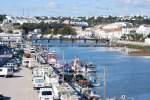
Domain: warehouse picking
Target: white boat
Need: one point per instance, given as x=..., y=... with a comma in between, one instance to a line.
x=89, y=70
x=41, y=59
x=51, y=58
x=96, y=84
x=78, y=66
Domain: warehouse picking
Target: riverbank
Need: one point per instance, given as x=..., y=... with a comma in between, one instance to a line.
x=134, y=52
x=134, y=48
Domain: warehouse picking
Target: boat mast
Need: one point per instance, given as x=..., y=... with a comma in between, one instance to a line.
x=63, y=65
x=105, y=83
x=99, y=88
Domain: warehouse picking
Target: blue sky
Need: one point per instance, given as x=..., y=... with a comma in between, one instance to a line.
x=75, y=7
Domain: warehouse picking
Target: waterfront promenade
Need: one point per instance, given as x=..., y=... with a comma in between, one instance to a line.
x=19, y=87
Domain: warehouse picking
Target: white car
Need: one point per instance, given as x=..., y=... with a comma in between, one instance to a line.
x=46, y=94
x=32, y=50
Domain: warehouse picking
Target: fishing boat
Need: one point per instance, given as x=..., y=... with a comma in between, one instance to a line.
x=51, y=58
x=79, y=66
x=91, y=95
x=96, y=84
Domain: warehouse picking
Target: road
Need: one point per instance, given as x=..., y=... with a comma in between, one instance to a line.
x=18, y=87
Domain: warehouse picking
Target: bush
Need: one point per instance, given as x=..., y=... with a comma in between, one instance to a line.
x=52, y=28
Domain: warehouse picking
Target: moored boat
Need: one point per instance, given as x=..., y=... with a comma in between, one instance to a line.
x=51, y=58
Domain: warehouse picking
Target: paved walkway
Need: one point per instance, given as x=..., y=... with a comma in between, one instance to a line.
x=18, y=87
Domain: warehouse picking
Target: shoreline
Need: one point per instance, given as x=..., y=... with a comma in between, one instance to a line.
x=139, y=53
x=130, y=51
x=135, y=49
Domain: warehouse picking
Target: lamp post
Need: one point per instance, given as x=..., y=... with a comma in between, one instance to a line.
x=63, y=65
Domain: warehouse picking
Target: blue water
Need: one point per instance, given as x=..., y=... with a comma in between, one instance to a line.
x=128, y=75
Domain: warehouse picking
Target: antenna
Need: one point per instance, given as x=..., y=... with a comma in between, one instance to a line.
x=23, y=12
x=28, y=13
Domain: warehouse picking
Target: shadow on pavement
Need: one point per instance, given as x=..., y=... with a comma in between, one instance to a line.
x=17, y=76
x=6, y=98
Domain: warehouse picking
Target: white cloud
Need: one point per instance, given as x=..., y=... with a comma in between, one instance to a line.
x=129, y=1
x=90, y=7
x=134, y=1
x=52, y=5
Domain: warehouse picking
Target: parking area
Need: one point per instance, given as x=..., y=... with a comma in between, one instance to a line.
x=18, y=87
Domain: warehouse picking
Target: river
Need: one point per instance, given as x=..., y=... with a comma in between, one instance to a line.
x=127, y=75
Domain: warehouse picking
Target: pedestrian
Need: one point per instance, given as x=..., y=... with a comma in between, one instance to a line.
x=59, y=95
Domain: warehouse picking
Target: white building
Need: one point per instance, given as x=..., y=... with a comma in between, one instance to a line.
x=34, y=34
x=123, y=27
x=76, y=23
x=114, y=30
x=38, y=31
x=144, y=29
x=88, y=33
x=147, y=40
x=18, y=31
x=11, y=37
x=21, y=20
x=110, y=31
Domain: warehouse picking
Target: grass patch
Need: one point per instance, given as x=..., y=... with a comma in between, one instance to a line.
x=138, y=47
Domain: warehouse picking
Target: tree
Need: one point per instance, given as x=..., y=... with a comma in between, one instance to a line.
x=46, y=28
x=67, y=31
x=50, y=31
x=2, y=17
x=135, y=37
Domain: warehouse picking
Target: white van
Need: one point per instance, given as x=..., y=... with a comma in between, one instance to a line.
x=6, y=71
x=46, y=94
x=29, y=62
x=38, y=82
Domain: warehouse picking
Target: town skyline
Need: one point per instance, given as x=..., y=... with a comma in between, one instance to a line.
x=74, y=7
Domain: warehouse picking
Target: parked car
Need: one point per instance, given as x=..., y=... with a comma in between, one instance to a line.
x=6, y=71
x=46, y=93
x=32, y=50
x=12, y=65
x=29, y=62
x=1, y=96
x=16, y=61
